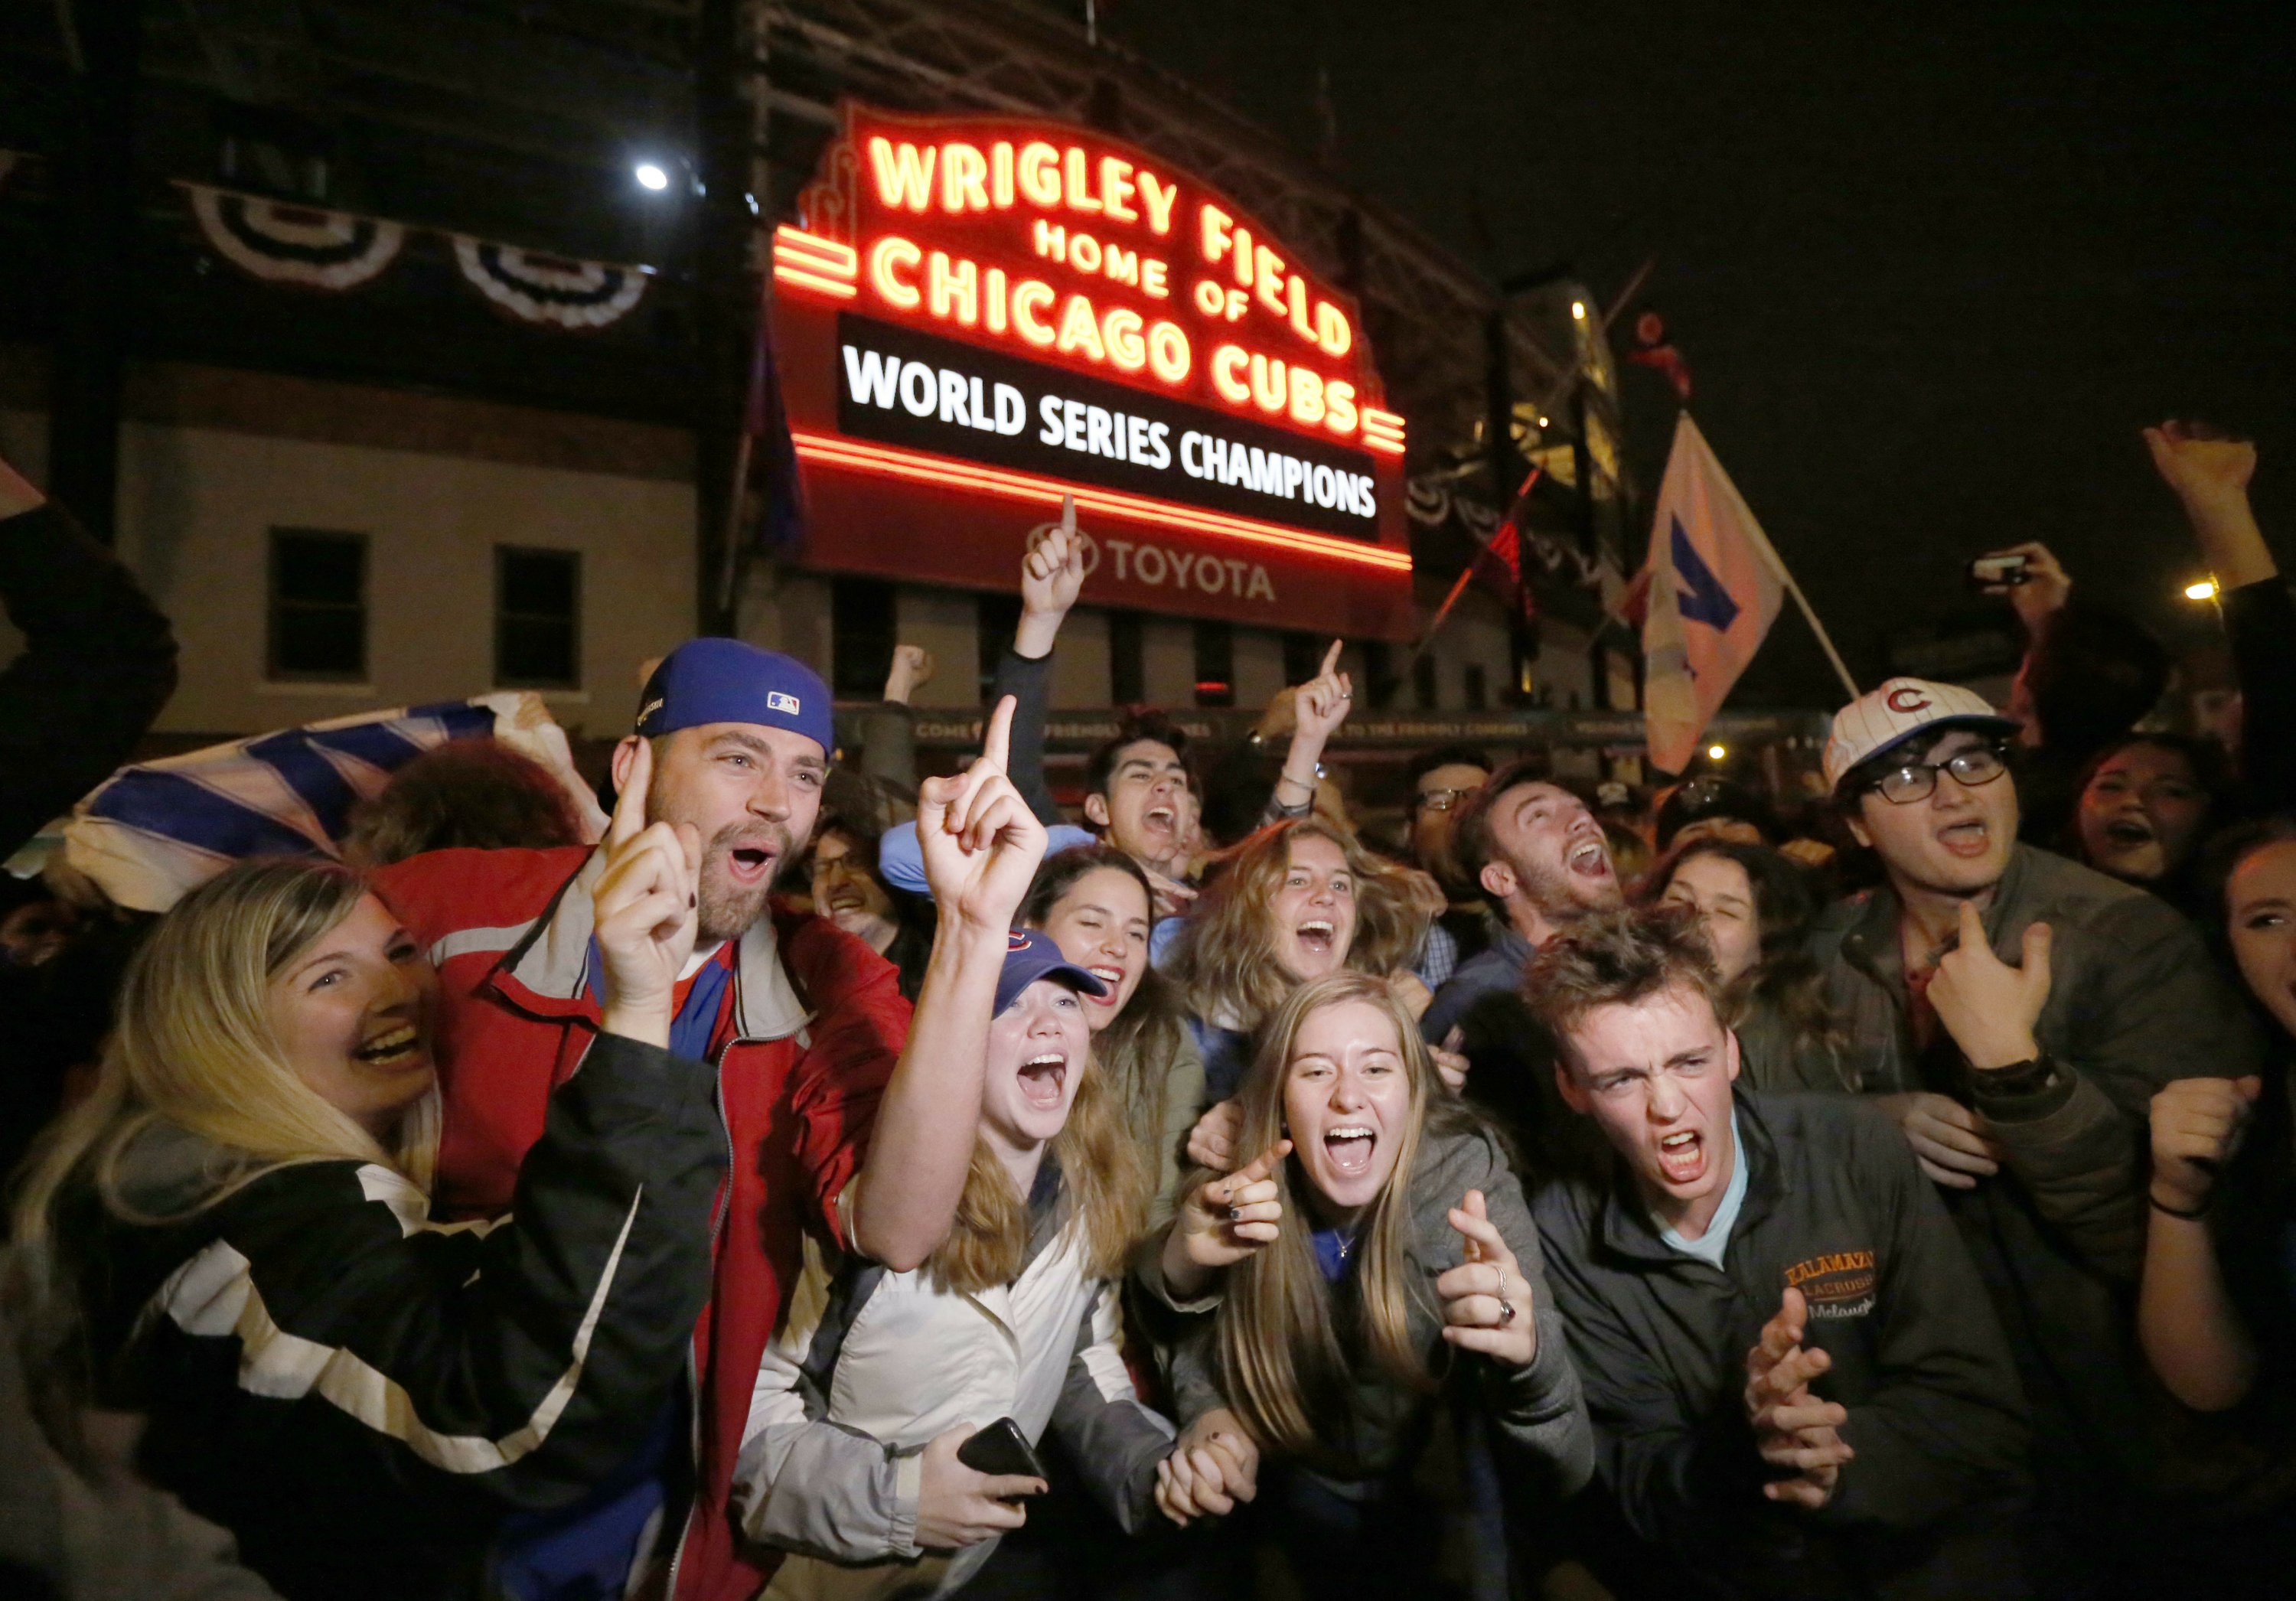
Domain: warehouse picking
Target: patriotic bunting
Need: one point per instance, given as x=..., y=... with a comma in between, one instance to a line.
x=535, y=288
x=281, y=243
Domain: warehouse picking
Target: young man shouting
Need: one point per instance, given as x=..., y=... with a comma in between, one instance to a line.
x=1542, y=862
x=2015, y=1013
x=1796, y=1384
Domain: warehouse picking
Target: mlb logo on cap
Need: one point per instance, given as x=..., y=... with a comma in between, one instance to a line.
x=718, y=680
x=1899, y=709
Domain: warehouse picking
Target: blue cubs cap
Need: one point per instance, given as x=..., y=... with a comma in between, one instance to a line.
x=1029, y=955
x=715, y=680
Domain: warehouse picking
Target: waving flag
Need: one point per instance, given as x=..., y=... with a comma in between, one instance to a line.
x=154, y=831
x=1714, y=587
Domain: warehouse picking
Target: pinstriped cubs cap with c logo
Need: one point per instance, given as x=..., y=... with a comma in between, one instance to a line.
x=1895, y=712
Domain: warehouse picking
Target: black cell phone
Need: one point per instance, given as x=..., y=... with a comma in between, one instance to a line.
x=1986, y=571
x=1002, y=1449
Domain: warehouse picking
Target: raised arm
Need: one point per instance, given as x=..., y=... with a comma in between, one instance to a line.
x=981, y=846
x=99, y=662
x=1318, y=707
x=889, y=735
x=2210, y=478
x=1052, y=576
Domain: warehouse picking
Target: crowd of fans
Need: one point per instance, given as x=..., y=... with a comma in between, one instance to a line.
x=832, y=1182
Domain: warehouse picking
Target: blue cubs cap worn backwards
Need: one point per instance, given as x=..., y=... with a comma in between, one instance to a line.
x=1031, y=955
x=715, y=680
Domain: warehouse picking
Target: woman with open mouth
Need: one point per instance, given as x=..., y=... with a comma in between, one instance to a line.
x=1375, y=1260
x=2146, y=803
x=1296, y=901
x=1098, y=906
x=232, y=1234
x=884, y=1389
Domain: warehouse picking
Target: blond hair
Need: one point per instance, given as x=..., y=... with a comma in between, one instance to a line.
x=1105, y=1186
x=193, y=1047
x=1226, y=962
x=1282, y=1364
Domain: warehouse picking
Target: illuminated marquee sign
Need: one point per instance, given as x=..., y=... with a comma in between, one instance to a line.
x=976, y=315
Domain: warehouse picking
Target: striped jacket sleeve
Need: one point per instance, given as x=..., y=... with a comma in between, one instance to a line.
x=381, y=1354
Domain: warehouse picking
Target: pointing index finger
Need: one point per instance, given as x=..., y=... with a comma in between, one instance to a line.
x=1261, y=1165
x=997, y=743
x=1332, y=658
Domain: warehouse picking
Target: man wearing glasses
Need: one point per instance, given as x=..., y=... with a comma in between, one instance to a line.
x=2015, y=1011
x=1440, y=781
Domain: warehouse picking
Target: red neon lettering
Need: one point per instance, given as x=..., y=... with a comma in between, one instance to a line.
x=1079, y=331
x=1268, y=388
x=1116, y=190
x=903, y=173
x=1040, y=173
x=962, y=168
x=1226, y=361
x=1158, y=196
x=1030, y=299
x=953, y=290
x=1120, y=331
x=887, y=254
x=1215, y=240
x=1079, y=194
x=1168, y=353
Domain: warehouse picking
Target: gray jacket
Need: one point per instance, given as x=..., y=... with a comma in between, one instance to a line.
x=2134, y=1004
x=1539, y=1406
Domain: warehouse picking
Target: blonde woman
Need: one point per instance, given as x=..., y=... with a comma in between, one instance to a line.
x=231, y=1235
x=850, y=1458
x=1297, y=901
x=1375, y=1258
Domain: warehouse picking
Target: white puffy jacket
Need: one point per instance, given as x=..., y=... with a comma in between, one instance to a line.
x=873, y=1366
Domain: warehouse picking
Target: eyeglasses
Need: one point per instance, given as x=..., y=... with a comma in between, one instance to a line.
x=1918, y=780
x=1441, y=800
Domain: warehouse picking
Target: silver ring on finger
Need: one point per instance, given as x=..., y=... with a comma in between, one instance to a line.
x=1506, y=1313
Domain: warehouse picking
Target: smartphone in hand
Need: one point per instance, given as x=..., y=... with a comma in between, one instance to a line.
x=1002, y=1449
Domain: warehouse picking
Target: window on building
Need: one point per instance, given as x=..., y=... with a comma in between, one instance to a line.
x=1215, y=664
x=1472, y=688
x=1127, y=660
x=861, y=627
x=999, y=616
x=537, y=619
x=1422, y=683
x=317, y=629
x=1303, y=657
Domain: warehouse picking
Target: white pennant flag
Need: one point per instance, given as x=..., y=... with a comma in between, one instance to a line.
x=1715, y=586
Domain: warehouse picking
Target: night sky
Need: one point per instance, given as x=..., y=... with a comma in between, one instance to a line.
x=1932, y=268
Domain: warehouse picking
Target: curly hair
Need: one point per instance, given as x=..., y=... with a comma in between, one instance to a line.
x=1226, y=962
